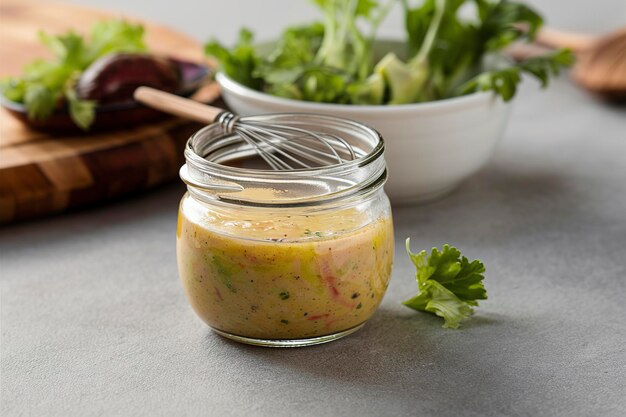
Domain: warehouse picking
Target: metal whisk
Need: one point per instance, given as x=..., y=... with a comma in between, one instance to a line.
x=282, y=147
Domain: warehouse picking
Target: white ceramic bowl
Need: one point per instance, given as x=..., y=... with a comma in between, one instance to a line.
x=430, y=147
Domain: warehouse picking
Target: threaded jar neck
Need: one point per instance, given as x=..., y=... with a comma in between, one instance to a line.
x=220, y=159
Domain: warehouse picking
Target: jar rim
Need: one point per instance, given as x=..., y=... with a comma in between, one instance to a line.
x=346, y=178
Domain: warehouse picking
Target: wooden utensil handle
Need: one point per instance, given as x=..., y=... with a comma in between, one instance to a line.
x=176, y=105
x=553, y=38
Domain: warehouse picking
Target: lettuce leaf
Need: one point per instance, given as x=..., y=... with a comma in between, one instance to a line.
x=240, y=62
x=45, y=84
x=504, y=81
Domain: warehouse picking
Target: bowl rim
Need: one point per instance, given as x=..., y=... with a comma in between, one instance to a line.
x=469, y=100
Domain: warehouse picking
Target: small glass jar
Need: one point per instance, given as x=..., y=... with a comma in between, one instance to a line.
x=284, y=258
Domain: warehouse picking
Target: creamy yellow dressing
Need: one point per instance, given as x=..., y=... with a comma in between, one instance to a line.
x=269, y=275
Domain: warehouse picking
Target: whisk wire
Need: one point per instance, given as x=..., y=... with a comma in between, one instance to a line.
x=305, y=152
x=272, y=141
x=288, y=147
x=329, y=140
x=274, y=162
x=307, y=134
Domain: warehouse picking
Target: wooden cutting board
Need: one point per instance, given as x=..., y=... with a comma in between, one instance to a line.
x=42, y=174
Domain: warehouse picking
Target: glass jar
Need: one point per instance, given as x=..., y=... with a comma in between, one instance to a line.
x=284, y=258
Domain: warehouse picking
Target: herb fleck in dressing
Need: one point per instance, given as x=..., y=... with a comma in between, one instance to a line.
x=284, y=277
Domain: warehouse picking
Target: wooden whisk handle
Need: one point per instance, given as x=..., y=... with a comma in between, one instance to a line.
x=176, y=105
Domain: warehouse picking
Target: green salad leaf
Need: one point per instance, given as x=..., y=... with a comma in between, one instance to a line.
x=46, y=84
x=240, y=62
x=504, y=81
x=505, y=22
x=39, y=101
x=447, y=53
x=449, y=284
x=82, y=112
x=323, y=62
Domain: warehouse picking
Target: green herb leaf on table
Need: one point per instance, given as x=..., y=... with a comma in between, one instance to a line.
x=449, y=284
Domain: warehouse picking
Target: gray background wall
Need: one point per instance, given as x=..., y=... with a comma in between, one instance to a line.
x=222, y=19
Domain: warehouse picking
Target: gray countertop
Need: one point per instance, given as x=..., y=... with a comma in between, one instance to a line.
x=94, y=321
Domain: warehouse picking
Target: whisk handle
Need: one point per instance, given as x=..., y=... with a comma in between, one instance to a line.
x=176, y=105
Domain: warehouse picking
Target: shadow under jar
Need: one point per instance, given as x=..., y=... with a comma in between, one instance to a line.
x=284, y=258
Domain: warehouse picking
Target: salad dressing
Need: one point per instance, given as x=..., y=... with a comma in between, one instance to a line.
x=277, y=276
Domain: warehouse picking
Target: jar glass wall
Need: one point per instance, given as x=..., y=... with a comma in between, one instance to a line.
x=285, y=258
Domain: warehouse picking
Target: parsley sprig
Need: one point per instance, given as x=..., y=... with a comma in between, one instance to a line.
x=449, y=284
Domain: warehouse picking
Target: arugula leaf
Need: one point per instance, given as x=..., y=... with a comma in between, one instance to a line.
x=45, y=84
x=452, y=51
x=504, y=22
x=294, y=51
x=542, y=66
x=370, y=91
x=324, y=84
x=449, y=284
x=239, y=63
x=343, y=46
x=405, y=80
x=504, y=81
x=283, y=70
